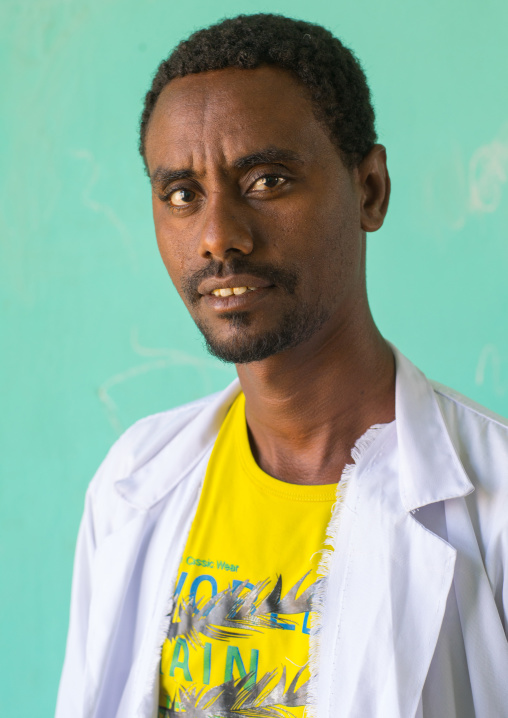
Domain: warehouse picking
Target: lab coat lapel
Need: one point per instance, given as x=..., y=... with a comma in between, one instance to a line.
x=134, y=576
x=388, y=585
x=134, y=566
x=429, y=467
x=390, y=576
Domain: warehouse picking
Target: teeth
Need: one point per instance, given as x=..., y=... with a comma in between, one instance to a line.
x=228, y=291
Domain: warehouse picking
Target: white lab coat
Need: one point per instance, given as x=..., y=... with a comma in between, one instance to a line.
x=415, y=613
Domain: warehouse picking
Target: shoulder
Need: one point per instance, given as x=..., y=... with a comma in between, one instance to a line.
x=151, y=455
x=438, y=416
x=146, y=437
x=479, y=435
x=480, y=439
x=457, y=404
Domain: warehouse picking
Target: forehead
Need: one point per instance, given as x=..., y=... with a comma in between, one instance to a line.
x=228, y=113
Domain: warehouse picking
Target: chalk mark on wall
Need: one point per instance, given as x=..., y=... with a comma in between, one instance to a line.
x=459, y=187
x=160, y=358
x=488, y=171
x=490, y=359
x=100, y=207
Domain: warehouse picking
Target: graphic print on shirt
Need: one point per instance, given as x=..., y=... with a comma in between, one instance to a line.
x=230, y=616
x=238, y=639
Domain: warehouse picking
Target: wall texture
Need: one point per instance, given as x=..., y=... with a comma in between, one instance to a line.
x=92, y=334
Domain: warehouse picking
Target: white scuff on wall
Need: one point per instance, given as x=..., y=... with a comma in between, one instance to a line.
x=488, y=172
x=460, y=186
x=489, y=363
x=157, y=359
x=106, y=210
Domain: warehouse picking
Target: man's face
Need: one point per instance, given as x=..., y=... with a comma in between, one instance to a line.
x=257, y=219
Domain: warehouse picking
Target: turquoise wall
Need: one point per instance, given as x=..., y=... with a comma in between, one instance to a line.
x=93, y=335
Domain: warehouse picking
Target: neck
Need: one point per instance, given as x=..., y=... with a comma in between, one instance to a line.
x=307, y=406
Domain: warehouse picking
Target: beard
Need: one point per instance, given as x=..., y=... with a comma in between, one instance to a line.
x=293, y=328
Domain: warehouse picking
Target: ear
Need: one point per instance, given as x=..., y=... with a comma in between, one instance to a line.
x=374, y=185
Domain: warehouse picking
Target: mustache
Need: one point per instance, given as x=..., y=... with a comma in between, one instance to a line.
x=282, y=277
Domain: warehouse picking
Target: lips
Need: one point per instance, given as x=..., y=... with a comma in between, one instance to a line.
x=260, y=278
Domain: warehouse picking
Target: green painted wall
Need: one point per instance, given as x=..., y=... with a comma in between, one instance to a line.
x=92, y=335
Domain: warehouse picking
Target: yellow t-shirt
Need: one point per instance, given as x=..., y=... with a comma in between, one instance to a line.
x=238, y=641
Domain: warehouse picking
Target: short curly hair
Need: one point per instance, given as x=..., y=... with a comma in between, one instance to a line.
x=329, y=70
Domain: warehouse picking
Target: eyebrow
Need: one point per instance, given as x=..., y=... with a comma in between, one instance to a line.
x=269, y=155
x=163, y=176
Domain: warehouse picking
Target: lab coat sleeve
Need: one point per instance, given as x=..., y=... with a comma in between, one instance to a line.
x=70, y=700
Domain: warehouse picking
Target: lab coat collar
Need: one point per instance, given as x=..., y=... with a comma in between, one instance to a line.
x=430, y=469
x=171, y=454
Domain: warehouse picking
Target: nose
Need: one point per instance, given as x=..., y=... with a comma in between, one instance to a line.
x=225, y=229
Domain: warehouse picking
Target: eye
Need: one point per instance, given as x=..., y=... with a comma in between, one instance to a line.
x=267, y=182
x=181, y=197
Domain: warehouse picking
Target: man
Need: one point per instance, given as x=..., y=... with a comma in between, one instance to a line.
x=329, y=535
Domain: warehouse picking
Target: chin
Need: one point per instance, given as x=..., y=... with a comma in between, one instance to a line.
x=243, y=347
x=242, y=351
